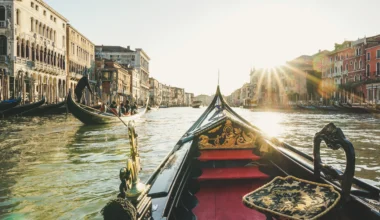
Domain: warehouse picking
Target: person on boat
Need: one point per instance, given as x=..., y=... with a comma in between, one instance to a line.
x=123, y=111
x=134, y=108
x=127, y=106
x=82, y=83
x=102, y=108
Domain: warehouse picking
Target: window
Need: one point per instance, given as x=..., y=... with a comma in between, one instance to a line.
x=368, y=56
x=63, y=41
x=346, y=55
x=63, y=25
x=341, y=68
x=368, y=69
x=355, y=65
x=44, y=12
x=378, y=68
x=378, y=54
x=18, y=17
x=2, y=13
x=336, y=58
x=351, y=63
x=336, y=70
x=51, y=17
x=37, y=7
x=3, y=45
x=32, y=4
x=31, y=24
x=331, y=59
x=55, y=20
x=360, y=64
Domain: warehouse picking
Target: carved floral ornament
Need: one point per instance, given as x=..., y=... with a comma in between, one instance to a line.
x=227, y=136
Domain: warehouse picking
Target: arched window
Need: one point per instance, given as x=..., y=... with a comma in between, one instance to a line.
x=3, y=45
x=378, y=68
x=360, y=64
x=2, y=13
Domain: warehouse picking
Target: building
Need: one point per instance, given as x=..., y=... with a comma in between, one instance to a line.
x=81, y=60
x=32, y=51
x=177, y=96
x=372, y=52
x=155, y=90
x=189, y=97
x=116, y=81
x=165, y=95
x=205, y=99
x=135, y=58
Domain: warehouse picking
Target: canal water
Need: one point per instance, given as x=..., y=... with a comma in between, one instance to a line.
x=56, y=168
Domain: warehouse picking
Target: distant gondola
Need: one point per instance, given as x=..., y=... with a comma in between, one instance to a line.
x=91, y=116
x=22, y=108
x=44, y=109
x=223, y=167
x=8, y=104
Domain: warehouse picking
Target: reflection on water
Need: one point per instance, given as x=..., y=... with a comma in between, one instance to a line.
x=55, y=168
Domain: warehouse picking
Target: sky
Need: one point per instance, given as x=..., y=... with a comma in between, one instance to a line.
x=190, y=41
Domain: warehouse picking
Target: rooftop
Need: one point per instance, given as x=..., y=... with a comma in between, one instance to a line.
x=113, y=48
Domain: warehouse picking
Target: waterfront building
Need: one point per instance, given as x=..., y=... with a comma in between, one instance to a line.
x=81, y=60
x=116, y=81
x=32, y=51
x=135, y=58
x=206, y=99
x=165, y=95
x=189, y=97
x=372, y=52
x=177, y=96
x=246, y=94
x=155, y=90
x=235, y=98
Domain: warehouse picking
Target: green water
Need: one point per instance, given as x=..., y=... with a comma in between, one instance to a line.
x=56, y=168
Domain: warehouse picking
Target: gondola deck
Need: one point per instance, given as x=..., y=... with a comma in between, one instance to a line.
x=223, y=157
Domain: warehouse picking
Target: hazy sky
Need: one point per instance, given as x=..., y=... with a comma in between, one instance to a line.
x=188, y=41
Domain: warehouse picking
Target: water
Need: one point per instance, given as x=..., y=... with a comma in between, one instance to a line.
x=56, y=168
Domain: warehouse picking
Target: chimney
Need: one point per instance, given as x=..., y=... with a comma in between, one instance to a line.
x=128, y=47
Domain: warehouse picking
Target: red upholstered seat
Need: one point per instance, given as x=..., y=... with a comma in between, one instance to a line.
x=232, y=173
x=207, y=155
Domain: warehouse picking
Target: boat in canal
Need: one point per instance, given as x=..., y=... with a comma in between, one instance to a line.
x=8, y=104
x=224, y=167
x=18, y=110
x=45, y=109
x=196, y=104
x=91, y=116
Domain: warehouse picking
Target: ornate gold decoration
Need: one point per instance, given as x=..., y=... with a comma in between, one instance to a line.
x=131, y=186
x=293, y=198
x=228, y=137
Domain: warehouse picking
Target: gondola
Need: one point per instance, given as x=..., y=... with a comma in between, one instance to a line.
x=91, y=116
x=8, y=104
x=224, y=167
x=18, y=110
x=327, y=108
x=345, y=108
x=44, y=109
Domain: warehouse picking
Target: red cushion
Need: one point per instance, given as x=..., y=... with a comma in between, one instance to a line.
x=232, y=173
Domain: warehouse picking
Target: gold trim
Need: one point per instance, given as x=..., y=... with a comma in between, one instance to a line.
x=229, y=137
x=245, y=201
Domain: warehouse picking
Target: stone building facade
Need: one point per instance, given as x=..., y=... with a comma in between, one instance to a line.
x=81, y=59
x=32, y=51
x=137, y=59
x=116, y=81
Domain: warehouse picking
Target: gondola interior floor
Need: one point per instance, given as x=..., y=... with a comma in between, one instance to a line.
x=222, y=200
